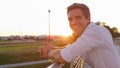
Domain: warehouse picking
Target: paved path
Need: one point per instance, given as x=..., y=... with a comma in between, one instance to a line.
x=23, y=64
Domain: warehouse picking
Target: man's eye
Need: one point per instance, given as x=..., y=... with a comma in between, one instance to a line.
x=70, y=19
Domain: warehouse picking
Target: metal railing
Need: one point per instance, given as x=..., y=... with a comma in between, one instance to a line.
x=116, y=41
x=23, y=64
x=80, y=63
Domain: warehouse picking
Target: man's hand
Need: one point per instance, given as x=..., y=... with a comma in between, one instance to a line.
x=44, y=49
x=47, y=51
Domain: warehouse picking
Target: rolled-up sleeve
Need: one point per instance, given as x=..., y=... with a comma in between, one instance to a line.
x=66, y=53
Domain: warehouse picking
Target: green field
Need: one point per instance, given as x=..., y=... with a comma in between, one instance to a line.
x=18, y=52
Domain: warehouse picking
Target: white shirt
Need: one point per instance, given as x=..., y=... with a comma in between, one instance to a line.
x=96, y=46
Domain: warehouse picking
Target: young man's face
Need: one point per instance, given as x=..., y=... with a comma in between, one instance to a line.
x=77, y=21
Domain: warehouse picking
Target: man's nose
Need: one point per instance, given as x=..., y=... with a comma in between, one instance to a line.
x=74, y=22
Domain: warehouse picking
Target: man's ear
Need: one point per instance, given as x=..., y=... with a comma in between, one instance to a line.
x=89, y=18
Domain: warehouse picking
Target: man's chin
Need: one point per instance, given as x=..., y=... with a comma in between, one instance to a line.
x=75, y=34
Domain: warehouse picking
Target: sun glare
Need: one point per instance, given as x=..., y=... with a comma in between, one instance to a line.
x=31, y=18
x=62, y=33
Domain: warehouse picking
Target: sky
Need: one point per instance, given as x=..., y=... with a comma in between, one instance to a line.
x=31, y=17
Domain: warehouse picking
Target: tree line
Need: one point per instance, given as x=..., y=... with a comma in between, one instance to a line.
x=114, y=30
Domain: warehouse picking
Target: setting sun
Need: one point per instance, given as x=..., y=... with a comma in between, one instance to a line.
x=31, y=18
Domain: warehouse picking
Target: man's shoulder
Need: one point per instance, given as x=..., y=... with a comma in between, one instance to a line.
x=92, y=27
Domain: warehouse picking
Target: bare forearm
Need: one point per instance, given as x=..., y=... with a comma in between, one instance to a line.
x=58, y=47
x=55, y=54
x=47, y=51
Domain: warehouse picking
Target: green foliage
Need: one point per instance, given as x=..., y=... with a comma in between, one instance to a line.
x=114, y=31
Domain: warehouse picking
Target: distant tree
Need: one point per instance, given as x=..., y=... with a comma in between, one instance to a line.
x=113, y=31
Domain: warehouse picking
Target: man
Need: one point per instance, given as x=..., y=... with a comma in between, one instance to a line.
x=94, y=43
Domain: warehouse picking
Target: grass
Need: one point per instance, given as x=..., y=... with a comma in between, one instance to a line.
x=18, y=52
